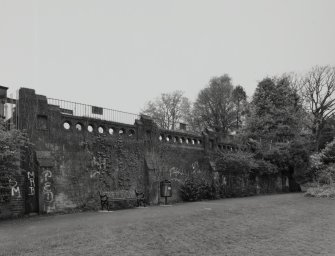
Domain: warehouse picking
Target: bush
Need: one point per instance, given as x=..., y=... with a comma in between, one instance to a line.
x=197, y=189
x=237, y=162
x=327, y=191
x=323, y=170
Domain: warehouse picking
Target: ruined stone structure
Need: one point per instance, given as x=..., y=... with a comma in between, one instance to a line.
x=78, y=154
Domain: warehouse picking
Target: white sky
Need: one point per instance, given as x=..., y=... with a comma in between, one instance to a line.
x=120, y=54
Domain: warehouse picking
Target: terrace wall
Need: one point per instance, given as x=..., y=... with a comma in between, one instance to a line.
x=74, y=163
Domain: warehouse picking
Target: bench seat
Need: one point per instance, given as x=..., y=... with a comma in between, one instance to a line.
x=121, y=195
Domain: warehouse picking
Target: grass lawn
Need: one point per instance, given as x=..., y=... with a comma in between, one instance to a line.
x=285, y=224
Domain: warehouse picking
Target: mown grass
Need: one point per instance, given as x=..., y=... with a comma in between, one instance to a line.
x=286, y=224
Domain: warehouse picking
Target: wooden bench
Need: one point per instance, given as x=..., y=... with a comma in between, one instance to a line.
x=121, y=195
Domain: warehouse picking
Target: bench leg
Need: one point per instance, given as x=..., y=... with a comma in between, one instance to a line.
x=106, y=205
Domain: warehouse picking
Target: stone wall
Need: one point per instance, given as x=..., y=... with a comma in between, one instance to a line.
x=78, y=156
x=12, y=194
x=19, y=188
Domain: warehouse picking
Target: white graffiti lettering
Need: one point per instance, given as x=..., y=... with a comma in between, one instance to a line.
x=31, y=187
x=15, y=188
x=48, y=195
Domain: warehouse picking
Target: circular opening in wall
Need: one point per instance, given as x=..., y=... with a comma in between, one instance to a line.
x=193, y=141
x=90, y=128
x=160, y=137
x=181, y=140
x=101, y=129
x=131, y=132
x=168, y=138
x=66, y=125
x=111, y=131
x=187, y=141
x=79, y=127
x=121, y=131
x=175, y=139
x=199, y=142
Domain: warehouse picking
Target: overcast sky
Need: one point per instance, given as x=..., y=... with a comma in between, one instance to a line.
x=120, y=54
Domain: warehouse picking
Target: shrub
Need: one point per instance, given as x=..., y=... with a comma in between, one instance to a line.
x=197, y=189
x=239, y=162
x=327, y=191
x=323, y=169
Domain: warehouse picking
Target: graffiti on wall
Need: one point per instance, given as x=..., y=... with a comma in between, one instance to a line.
x=178, y=174
x=15, y=188
x=31, y=183
x=9, y=187
x=48, y=195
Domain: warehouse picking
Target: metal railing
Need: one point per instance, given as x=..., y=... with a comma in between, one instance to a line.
x=84, y=110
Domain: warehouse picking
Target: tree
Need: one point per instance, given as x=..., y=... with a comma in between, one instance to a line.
x=276, y=112
x=328, y=132
x=318, y=90
x=214, y=107
x=169, y=109
x=239, y=97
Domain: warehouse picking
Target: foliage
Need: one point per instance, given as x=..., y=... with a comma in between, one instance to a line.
x=321, y=191
x=276, y=111
x=239, y=97
x=290, y=159
x=214, y=107
x=323, y=165
x=193, y=189
x=299, y=152
x=265, y=167
x=237, y=162
x=327, y=155
x=169, y=109
x=11, y=144
x=323, y=170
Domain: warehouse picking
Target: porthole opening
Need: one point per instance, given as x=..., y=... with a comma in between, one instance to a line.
x=79, y=127
x=111, y=131
x=66, y=125
x=131, y=132
x=101, y=129
x=121, y=131
x=160, y=137
x=90, y=128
